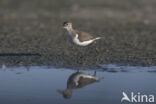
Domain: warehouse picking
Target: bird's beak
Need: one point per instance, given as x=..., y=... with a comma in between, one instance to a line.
x=60, y=91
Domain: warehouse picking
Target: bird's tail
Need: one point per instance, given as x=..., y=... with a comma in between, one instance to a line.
x=99, y=38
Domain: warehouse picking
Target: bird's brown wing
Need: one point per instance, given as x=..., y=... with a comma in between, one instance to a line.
x=83, y=36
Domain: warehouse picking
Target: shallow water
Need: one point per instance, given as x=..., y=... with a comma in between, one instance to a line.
x=41, y=85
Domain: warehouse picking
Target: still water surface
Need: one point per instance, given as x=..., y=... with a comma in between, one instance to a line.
x=45, y=85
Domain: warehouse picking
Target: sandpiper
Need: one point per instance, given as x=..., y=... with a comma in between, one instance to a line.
x=78, y=37
x=78, y=80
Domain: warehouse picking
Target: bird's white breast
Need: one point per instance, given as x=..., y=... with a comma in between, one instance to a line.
x=84, y=43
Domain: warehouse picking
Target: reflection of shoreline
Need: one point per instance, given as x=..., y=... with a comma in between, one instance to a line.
x=78, y=80
x=4, y=67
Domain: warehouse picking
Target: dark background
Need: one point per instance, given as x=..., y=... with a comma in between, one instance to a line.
x=31, y=32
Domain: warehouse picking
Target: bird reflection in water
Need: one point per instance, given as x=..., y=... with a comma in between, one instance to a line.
x=78, y=80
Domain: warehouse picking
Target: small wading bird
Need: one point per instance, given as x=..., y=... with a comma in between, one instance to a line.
x=78, y=37
x=78, y=80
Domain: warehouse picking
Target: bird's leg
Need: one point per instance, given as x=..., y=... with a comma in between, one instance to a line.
x=94, y=73
x=97, y=50
x=78, y=70
x=94, y=42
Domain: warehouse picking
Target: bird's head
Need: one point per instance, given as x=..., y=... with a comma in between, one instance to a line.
x=66, y=93
x=67, y=25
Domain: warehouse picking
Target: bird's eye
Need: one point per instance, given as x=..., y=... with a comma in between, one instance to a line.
x=65, y=23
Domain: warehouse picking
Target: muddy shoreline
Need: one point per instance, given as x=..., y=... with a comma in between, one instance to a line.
x=33, y=34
